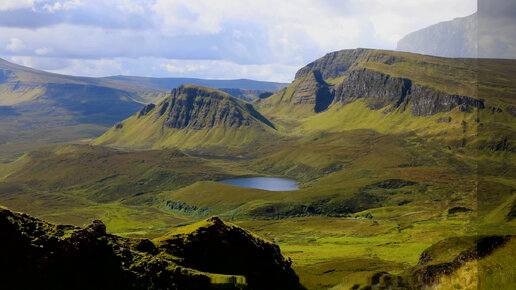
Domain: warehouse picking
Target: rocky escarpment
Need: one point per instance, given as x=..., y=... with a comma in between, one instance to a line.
x=333, y=64
x=197, y=108
x=38, y=255
x=345, y=76
x=193, y=118
x=312, y=90
x=380, y=90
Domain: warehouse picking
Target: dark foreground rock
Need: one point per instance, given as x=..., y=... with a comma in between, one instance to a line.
x=211, y=254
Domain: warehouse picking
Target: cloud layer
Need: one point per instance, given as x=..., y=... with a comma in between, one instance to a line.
x=261, y=39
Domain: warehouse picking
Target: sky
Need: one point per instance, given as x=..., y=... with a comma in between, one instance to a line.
x=216, y=39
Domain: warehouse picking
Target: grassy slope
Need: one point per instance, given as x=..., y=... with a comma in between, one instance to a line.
x=87, y=182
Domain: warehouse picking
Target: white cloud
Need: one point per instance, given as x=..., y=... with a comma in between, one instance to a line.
x=43, y=51
x=15, y=45
x=65, y=5
x=249, y=37
x=219, y=69
x=15, y=4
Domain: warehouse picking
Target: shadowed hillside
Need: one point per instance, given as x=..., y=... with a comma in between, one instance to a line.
x=206, y=255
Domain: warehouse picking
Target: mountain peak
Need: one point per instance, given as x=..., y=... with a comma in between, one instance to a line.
x=191, y=116
x=199, y=107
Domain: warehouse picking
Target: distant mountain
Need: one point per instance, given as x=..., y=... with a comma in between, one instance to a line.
x=78, y=99
x=19, y=84
x=170, y=83
x=488, y=33
x=455, y=38
x=191, y=117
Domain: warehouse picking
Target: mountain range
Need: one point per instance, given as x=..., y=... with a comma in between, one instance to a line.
x=48, y=108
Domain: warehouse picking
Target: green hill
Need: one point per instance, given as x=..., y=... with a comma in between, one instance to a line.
x=191, y=117
x=394, y=92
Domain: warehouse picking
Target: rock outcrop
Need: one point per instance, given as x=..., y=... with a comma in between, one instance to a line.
x=432, y=266
x=197, y=108
x=443, y=258
x=38, y=255
x=312, y=90
x=208, y=247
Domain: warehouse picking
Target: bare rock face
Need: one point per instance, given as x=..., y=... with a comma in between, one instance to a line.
x=380, y=90
x=197, y=108
x=312, y=90
x=334, y=64
x=38, y=255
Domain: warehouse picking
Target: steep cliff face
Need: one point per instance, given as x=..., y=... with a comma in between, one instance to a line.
x=312, y=90
x=380, y=90
x=198, y=108
x=333, y=64
x=38, y=255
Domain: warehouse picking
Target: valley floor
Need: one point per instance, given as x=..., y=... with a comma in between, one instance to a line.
x=335, y=237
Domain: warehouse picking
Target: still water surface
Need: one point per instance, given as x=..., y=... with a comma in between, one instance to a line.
x=265, y=183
